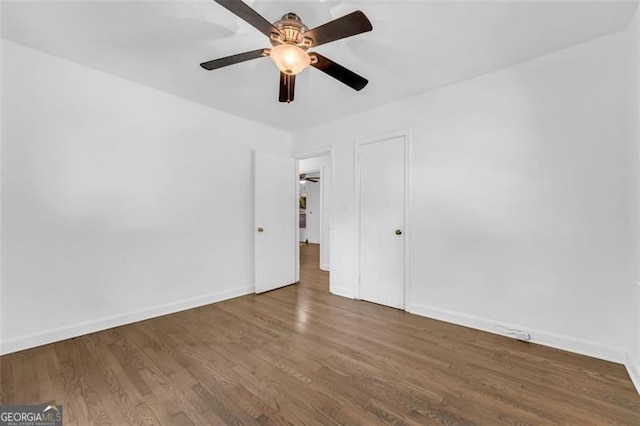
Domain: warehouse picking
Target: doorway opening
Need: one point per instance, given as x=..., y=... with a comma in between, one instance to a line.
x=314, y=181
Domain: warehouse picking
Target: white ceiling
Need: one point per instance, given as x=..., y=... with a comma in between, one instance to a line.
x=414, y=46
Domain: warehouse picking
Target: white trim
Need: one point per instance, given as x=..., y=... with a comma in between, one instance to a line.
x=408, y=258
x=634, y=371
x=545, y=338
x=358, y=143
x=325, y=267
x=343, y=292
x=296, y=218
x=62, y=333
x=322, y=242
x=332, y=216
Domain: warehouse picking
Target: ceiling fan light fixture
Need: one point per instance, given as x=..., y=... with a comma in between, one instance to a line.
x=289, y=58
x=290, y=39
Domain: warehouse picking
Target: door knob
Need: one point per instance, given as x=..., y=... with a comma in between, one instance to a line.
x=260, y=229
x=398, y=232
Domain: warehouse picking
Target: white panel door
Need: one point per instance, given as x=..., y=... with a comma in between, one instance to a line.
x=382, y=216
x=275, y=225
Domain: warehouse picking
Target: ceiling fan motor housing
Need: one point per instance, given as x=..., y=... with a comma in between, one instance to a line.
x=292, y=28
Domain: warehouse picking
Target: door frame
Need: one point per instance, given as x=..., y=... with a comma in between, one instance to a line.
x=406, y=135
x=321, y=153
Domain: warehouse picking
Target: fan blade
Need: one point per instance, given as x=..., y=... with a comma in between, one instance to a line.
x=234, y=59
x=338, y=72
x=287, y=87
x=347, y=26
x=245, y=12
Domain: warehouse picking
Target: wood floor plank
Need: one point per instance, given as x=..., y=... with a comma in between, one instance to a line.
x=299, y=355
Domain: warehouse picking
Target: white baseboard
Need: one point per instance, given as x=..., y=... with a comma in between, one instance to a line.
x=342, y=291
x=633, y=368
x=324, y=267
x=61, y=333
x=541, y=337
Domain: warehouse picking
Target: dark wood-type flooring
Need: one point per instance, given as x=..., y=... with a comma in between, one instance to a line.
x=302, y=356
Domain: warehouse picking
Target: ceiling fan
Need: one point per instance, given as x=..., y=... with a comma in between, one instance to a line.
x=291, y=39
x=304, y=178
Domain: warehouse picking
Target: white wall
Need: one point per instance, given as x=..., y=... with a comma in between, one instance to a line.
x=522, y=193
x=120, y=202
x=324, y=163
x=633, y=360
x=1, y=133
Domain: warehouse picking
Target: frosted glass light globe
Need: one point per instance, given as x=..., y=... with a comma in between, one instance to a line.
x=289, y=58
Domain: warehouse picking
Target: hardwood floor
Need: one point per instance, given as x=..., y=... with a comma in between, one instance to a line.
x=300, y=355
